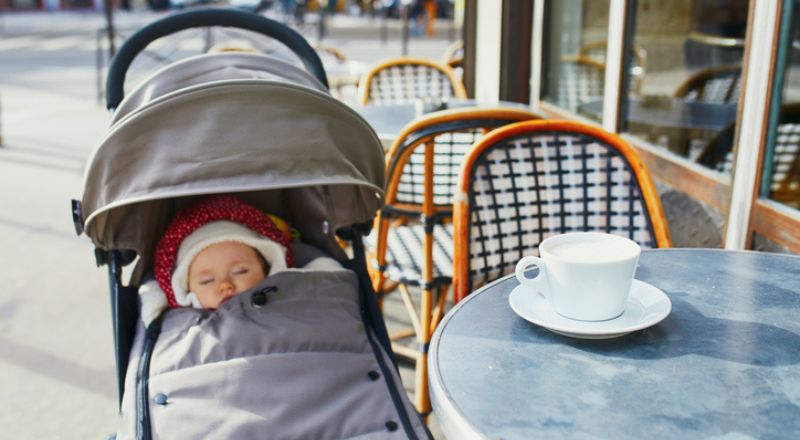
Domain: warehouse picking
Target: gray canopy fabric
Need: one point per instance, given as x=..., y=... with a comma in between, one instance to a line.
x=210, y=67
x=289, y=149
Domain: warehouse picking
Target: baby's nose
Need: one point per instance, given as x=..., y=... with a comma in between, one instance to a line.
x=225, y=288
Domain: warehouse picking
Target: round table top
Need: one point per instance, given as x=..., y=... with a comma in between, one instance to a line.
x=724, y=363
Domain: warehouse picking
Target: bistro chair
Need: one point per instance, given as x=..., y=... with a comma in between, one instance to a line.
x=596, y=51
x=582, y=81
x=712, y=84
x=583, y=74
x=404, y=80
x=525, y=182
x=413, y=243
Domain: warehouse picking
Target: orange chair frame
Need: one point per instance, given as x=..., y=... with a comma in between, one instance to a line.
x=366, y=81
x=397, y=157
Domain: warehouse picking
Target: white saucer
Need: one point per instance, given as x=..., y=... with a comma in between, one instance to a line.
x=647, y=305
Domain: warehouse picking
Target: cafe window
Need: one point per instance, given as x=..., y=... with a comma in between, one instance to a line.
x=686, y=99
x=574, y=72
x=781, y=172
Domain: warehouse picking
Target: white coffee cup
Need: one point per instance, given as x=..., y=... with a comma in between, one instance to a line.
x=585, y=275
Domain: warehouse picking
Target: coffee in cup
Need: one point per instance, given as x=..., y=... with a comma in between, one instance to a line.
x=585, y=275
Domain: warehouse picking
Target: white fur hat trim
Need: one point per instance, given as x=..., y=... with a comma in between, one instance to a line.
x=218, y=232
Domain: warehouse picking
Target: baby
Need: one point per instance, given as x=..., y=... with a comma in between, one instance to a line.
x=224, y=270
x=215, y=250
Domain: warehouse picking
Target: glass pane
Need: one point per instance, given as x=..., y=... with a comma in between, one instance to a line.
x=782, y=158
x=684, y=95
x=574, y=65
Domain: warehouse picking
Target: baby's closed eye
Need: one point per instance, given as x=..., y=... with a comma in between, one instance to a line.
x=205, y=281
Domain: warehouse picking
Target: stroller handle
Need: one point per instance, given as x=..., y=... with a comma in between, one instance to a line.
x=206, y=17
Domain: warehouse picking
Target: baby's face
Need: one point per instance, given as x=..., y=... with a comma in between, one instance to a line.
x=224, y=270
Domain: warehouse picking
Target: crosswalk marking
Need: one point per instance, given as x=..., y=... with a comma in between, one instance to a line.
x=44, y=43
x=60, y=43
x=18, y=42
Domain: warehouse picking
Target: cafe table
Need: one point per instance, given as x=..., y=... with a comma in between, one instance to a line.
x=388, y=120
x=724, y=363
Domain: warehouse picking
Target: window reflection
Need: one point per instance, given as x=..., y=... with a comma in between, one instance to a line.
x=781, y=172
x=574, y=69
x=687, y=100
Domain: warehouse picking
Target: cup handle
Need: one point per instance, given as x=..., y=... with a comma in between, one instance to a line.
x=523, y=265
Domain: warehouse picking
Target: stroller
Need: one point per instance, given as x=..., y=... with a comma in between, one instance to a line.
x=312, y=359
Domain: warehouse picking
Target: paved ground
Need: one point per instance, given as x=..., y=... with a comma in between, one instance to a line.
x=56, y=354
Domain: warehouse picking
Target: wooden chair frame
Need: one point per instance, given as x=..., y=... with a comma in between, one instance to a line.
x=420, y=134
x=365, y=84
x=461, y=214
x=453, y=55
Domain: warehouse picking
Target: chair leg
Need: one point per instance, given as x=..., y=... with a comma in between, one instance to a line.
x=411, y=308
x=431, y=315
x=423, y=402
x=438, y=311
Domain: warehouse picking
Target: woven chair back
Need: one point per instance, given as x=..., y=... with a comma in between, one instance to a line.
x=451, y=135
x=528, y=181
x=404, y=80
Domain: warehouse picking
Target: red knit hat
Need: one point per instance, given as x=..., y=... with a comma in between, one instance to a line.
x=213, y=209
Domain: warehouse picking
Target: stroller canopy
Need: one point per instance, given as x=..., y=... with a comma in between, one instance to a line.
x=235, y=123
x=213, y=67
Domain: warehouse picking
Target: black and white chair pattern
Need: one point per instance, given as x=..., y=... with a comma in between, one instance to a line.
x=525, y=182
x=406, y=79
x=582, y=75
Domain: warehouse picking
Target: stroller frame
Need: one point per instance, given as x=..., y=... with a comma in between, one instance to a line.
x=124, y=298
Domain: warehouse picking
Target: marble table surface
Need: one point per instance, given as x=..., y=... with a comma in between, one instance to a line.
x=725, y=363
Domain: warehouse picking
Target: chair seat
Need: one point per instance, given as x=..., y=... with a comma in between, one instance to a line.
x=404, y=254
